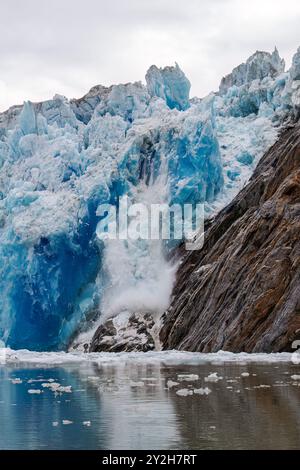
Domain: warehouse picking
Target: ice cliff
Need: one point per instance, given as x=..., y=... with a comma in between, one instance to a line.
x=61, y=158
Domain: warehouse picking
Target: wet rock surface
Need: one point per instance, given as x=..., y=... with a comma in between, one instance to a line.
x=241, y=292
x=126, y=332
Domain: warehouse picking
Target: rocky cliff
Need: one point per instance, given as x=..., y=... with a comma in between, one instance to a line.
x=241, y=292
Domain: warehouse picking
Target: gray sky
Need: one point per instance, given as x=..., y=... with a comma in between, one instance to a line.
x=67, y=46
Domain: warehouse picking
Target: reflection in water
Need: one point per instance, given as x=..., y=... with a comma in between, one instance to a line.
x=129, y=406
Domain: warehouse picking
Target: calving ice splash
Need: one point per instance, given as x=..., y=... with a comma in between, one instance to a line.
x=61, y=160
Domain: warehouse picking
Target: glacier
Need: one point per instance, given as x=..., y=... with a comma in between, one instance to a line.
x=60, y=159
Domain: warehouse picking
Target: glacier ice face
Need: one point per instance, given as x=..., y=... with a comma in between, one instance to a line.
x=60, y=159
x=295, y=69
x=170, y=84
x=259, y=66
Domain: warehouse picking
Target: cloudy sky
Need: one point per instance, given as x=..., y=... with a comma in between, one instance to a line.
x=67, y=46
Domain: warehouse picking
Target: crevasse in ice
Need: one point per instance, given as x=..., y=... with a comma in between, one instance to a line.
x=60, y=159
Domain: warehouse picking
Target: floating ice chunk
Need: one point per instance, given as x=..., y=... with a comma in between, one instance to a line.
x=171, y=384
x=35, y=391
x=245, y=374
x=214, y=377
x=53, y=385
x=66, y=422
x=295, y=377
x=67, y=389
x=55, y=424
x=295, y=69
x=202, y=391
x=188, y=377
x=136, y=384
x=57, y=388
x=16, y=381
x=184, y=392
x=87, y=423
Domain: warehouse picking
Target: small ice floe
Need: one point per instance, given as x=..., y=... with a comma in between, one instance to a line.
x=202, y=391
x=87, y=423
x=93, y=378
x=184, y=392
x=214, y=378
x=57, y=388
x=231, y=381
x=295, y=377
x=245, y=374
x=188, y=377
x=35, y=391
x=262, y=386
x=66, y=422
x=171, y=384
x=55, y=424
x=229, y=387
x=32, y=381
x=16, y=381
x=212, y=427
x=67, y=389
x=136, y=384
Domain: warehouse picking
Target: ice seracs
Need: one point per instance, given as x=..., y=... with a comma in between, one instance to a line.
x=295, y=69
x=170, y=84
x=259, y=66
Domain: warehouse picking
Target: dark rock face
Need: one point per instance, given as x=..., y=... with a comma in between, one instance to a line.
x=128, y=333
x=241, y=292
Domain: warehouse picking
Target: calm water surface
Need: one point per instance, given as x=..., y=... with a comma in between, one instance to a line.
x=130, y=406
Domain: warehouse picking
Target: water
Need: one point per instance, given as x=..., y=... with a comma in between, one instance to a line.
x=129, y=406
